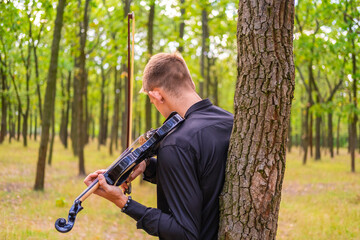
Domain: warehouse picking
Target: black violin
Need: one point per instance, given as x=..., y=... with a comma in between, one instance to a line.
x=119, y=171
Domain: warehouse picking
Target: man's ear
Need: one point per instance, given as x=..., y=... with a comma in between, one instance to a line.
x=156, y=95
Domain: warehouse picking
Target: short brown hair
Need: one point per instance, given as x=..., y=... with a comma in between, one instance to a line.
x=166, y=70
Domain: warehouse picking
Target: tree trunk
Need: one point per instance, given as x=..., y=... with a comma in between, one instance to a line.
x=289, y=137
x=49, y=98
x=35, y=128
x=182, y=26
x=27, y=67
x=330, y=135
x=150, y=51
x=306, y=135
x=317, y=137
x=354, y=118
x=3, y=104
x=38, y=91
x=74, y=110
x=102, y=109
x=81, y=76
x=311, y=138
x=87, y=122
x=338, y=137
x=65, y=117
x=30, y=130
x=115, y=119
x=249, y=204
x=204, y=51
x=52, y=135
x=18, y=122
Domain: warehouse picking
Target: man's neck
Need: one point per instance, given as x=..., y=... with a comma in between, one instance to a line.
x=182, y=104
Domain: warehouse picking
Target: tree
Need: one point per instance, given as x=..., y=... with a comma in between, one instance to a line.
x=49, y=97
x=249, y=203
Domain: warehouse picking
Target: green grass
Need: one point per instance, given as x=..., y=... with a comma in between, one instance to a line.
x=319, y=201
x=26, y=214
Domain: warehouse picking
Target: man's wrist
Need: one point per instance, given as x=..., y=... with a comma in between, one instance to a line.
x=121, y=201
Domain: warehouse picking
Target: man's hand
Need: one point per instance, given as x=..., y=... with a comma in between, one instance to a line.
x=139, y=169
x=109, y=192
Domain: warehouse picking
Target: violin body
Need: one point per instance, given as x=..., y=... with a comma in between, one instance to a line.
x=122, y=167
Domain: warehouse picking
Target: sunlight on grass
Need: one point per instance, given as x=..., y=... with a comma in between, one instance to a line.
x=319, y=201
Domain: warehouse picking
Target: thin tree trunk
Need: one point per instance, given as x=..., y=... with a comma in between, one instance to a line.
x=249, y=204
x=306, y=135
x=31, y=122
x=289, y=137
x=115, y=118
x=330, y=135
x=52, y=135
x=81, y=72
x=3, y=104
x=317, y=137
x=35, y=128
x=19, y=122
x=204, y=50
x=102, y=109
x=311, y=138
x=38, y=91
x=87, y=124
x=150, y=51
x=49, y=97
x=182, y=26
x=74, y=110
x=354, y=118
x=338, y=137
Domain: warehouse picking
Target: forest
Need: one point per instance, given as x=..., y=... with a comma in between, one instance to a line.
x=64, y=91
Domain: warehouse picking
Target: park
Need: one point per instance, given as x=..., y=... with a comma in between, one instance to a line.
x=73, y=99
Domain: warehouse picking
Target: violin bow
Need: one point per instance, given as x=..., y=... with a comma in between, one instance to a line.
x=131, y=16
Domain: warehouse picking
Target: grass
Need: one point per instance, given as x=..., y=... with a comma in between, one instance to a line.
x=319, y=201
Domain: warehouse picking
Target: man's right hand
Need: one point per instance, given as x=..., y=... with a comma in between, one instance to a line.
x=139, y=169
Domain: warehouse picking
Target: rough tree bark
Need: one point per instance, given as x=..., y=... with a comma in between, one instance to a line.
x=249, y=204
x=49, y=97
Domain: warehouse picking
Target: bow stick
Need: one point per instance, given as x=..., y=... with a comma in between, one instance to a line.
x=131, y=16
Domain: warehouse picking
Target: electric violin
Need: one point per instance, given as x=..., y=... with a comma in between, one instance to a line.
x=119, y=171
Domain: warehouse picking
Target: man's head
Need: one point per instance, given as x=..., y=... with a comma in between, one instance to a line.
x=169, y=72
x=168, y=83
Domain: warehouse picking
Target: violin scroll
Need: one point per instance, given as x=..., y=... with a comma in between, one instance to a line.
x=61, y=224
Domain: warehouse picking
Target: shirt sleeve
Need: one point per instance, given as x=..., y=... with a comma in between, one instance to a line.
x=178, y=177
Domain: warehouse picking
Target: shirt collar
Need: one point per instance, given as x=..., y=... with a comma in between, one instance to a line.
x=201, y=104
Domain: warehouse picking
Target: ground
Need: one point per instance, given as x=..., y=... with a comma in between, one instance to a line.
x=319, y=201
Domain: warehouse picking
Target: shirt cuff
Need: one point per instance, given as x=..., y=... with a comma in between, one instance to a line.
x=135, y=210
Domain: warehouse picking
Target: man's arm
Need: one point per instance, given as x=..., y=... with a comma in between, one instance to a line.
x=179, y=181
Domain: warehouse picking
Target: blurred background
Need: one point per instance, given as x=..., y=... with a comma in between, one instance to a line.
x=321, y=191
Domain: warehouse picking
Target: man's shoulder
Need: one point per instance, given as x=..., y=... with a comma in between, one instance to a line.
x=213, y=117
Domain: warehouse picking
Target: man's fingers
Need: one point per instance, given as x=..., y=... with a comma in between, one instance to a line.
x=103, y=183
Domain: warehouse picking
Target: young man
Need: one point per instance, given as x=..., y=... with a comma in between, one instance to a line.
x=190, y=166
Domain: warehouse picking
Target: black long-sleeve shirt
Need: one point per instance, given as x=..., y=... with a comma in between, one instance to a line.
x=189, y=173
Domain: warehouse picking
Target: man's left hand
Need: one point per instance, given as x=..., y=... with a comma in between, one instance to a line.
x=112, y=193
